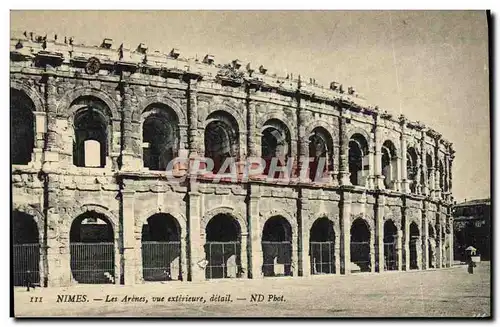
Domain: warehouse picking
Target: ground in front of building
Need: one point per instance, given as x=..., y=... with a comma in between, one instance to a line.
x=451, y=292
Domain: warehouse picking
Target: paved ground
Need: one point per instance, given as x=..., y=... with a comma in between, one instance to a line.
x=449, y=292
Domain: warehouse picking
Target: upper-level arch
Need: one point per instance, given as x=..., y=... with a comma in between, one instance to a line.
x=70, y=96
x=22, y=127
x=227, y=107
x=93, y=130
x=359, y=164
x=389, y=159
x=160, y=136
x=278, y=116
x=31, y=93
x=161, y=100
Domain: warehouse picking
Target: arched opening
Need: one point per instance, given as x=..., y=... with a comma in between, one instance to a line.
x=322, y=247
x=412, y=168
x=321, y=152
x=22, y=132
x=389, y=164
x=91, y=132
x=26, y=249
x=221, y=140
x=430, y=170
x=390, y=243
x=223, y=247
x=358, y=160
x=414, y=240
x=92, y=249
x=431, y=247
x=277, y=247
x=161, y=248
x=160, y=137
x=275, y=143
x=360, y=246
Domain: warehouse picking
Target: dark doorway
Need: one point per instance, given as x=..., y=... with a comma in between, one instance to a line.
x=390, y=242
x=223, y=248
x=414, y=237
x=92, y=249
x=360, y=246
x=22, y=139
x=277, y=247
x=161, y=248
x=322, y=247
x=26, y=249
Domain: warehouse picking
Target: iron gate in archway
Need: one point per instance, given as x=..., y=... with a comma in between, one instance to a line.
x=26, y=261
x=161, y=261
x=223, y=260
x=93, y=263
x=322, y=257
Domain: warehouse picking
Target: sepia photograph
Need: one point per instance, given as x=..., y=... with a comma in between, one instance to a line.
x=248, y=164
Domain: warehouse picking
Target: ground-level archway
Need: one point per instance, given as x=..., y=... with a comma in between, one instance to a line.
x=322, y=247
x=161, y=248
x=390, y=242
x=26, y=249
x=414, y=240
x=360, y=246
x=223, y=247
x=277, y=247
x=92, y=249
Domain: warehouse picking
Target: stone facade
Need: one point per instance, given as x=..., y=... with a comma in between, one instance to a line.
x=57, y=79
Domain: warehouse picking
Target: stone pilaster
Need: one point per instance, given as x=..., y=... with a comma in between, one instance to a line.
x=378, y=178
x=406, y=242
x=53, y=137
x=336, y=163
x=244, y=255
x=450, y=235
x=371, y=180
x=252, y=129
x=425, y=245
x=405, y=183
x=418, y=177
x=40, y=131
x=57, y=246
x=439, y=241
x=399, y=249
x=256, y=256
x=337, y=253
x=194, y=145
x=303, y=141
x=431, y=181
x=344, y=149
x=295, y=255
x=303, y=249
x=446, y=190
x=379, y=231
x=345, y=233
x=423, y=165
x=372, y=251
x=196, y=253
x=129, y=259
x=397, y=186
x=129, y=160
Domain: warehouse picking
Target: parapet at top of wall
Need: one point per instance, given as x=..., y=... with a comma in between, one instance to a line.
x=27, y=46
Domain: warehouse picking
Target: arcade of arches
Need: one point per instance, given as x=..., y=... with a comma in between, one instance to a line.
x=96, y=152
x=164, y=253
x=93, y=128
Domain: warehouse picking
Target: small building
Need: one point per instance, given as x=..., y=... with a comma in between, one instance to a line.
x=472, y=221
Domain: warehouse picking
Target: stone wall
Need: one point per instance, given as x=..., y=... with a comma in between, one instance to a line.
x=55, y=192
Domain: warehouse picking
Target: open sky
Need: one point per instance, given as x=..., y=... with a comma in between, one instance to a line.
x=431, y=66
